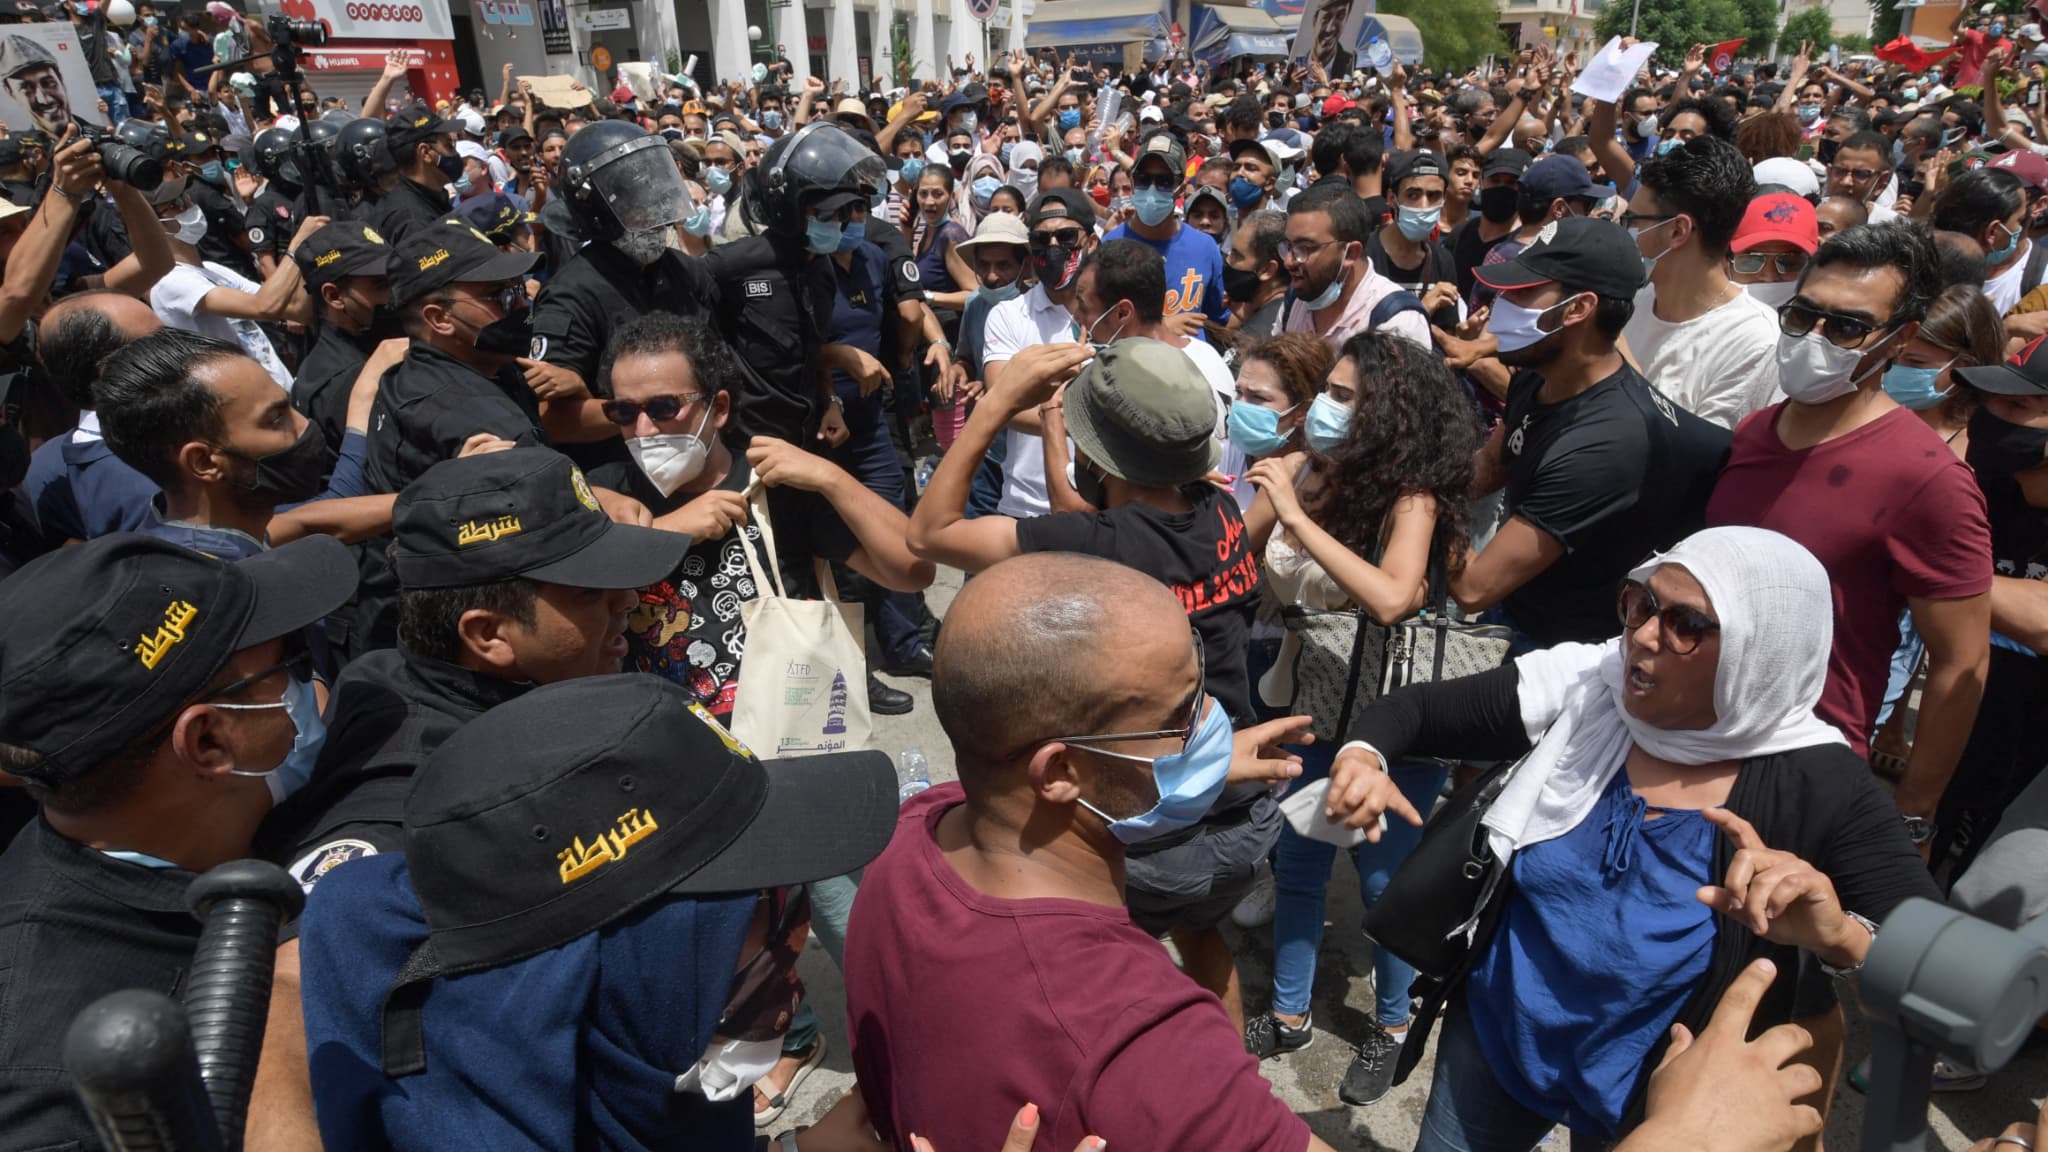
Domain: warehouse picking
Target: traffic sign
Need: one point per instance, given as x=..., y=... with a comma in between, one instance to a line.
x=601, y=59
x=981, y=9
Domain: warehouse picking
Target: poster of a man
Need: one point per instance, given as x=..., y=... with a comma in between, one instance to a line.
x=1321, y=37
x=46, y=78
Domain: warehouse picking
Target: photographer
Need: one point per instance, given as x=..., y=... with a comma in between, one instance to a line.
x=214, y=300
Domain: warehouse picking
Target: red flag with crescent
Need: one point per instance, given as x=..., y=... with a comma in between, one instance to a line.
x=1723, y=54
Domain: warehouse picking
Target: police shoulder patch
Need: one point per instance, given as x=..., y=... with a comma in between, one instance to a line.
x=759, y=289
x=320, y=861
x=256, y=235
x=910, y=271
x=538, y=350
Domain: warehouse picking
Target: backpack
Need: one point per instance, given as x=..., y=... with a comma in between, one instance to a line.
x=2037, y=263
x=1393, y=305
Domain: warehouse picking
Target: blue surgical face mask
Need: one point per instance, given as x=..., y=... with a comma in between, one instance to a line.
x=1417, y=223
x=1327, y=424
x=1997, y=30
x=463, y=185
x=822, y=236
x=1070, y=119
x=213, y=172
x=1074, y=156
x=1650, y=262
x=1244, y=193
x=984, y=189
x=2012, y=243
x=998, y=295
x=1808, y=113
x=1664, y=147
x=698, y=223
x=771, y=120
x=1910, y=92
x=1914, y=387
x=1154, y=205
x=1256, y=429
x=852, y=234
x=718, y=180
x=912, y=169
x=1188, y=782
x=1004, y=150
x=310, y=732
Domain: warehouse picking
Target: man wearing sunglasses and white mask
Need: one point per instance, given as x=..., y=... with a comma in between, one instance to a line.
x=1920, y=539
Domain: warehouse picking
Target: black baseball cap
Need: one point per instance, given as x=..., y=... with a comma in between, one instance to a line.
x=513, y=135
x=1559, y=176
x=1411, y=165
x=104, y=642
x=1577, y=251
x=343, y=248
x=10, y=150
x=449, y=251
x=414, y=123
x=521, y=512
x=2026, y=374
x=1512, y=161
x=575, y=805
x=1061, y=204
x=496, y=215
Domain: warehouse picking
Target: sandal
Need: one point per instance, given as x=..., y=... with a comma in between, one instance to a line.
x=766, y=1117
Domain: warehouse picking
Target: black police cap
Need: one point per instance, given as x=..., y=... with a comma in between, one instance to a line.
x=449, y=251
x=343, y=248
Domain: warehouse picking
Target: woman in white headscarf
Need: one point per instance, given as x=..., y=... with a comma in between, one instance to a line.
x=1678, y=812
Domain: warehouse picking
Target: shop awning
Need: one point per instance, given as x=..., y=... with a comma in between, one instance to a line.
x=1285, y=13
x=1222, y=32
x=1085, y=25
x=1400, y=34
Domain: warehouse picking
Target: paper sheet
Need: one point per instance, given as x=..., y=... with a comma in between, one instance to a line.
x=1610, y=72
x=558, y=91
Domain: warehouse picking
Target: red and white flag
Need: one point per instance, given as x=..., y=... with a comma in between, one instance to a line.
x=1723, y=54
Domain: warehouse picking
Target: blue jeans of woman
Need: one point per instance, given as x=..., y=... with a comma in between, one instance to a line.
x=1301, y=875
x=870, y=454
x=1469, y=1111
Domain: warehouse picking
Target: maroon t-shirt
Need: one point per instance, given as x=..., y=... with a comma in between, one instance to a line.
x=963, y=1007
x=1890, y=512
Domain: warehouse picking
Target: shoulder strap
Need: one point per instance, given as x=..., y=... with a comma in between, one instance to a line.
x=2037, y=264
x=1393, y=305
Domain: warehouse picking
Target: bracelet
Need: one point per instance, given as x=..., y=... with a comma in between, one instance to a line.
x=75, y=199
x=835, y=401
x=2016, y=1141
x=1852, y=969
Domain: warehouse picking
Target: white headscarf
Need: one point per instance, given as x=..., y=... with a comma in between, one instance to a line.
x=1777, y=626
x=1024, y=179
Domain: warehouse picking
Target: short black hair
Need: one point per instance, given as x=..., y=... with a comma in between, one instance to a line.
x=429, y=619
x=1859, y=120
x=152, y=400
x=1573, y=145
x=1719, y=117
x=1050, y=166
x=1611, y=315
x=1345, y=144
x=1902, y=245
x=712, y=361
x=1131, y=270
x=1708, y=180
x=75, y=346
x=1349, y=221
x=1243, y=112
x=1868, y=141
x=1973, y=200
x=1961, y=260
x=1268, y=231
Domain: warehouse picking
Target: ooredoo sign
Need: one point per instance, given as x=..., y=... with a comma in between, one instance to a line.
x=377, y=19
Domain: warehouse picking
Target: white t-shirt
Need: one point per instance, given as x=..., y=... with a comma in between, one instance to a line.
x=2004, y=288
x=1720, y=367
x=176, y=297
x=1224, y=385
x=1013, y=326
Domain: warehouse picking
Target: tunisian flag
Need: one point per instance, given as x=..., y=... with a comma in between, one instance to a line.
x=1903, y=51
x=1724, y=54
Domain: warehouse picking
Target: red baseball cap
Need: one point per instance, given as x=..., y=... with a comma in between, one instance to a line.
x=2025, y=164
x=1778, y=216
x=1337, y=102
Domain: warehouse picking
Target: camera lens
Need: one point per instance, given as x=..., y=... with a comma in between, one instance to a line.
x=131, y=166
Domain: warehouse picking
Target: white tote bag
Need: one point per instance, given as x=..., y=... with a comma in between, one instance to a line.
x=803, y=687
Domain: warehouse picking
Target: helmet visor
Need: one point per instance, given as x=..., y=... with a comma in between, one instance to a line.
x=643, y=188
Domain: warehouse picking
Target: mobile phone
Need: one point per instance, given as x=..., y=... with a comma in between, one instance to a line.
x=1080, y=75
x=1913, y=188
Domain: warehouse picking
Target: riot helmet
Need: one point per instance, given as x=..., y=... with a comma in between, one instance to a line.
x=811, y=162
x=274, y=157
x=362, y=157
x=624, y=187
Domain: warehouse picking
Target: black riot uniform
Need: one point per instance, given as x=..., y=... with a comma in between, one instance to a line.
x=410, y=204
x=327, y=373
x=226, y=215
x=272, y=220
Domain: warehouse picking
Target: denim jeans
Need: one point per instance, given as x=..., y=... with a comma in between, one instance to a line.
x=870, y=454
x=1469, y=1111
x=1905, y=662
x=1301, y=876
x=117, y=104
x=831, y=904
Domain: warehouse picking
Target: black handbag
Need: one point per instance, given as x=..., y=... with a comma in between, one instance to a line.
x=1433, y=903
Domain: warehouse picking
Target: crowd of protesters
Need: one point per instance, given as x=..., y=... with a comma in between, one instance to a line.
x=388, y=489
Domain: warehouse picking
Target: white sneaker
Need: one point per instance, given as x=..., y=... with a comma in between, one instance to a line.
x=1256, y=909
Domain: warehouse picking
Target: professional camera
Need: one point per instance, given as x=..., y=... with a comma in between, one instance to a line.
x=123, y=161
x=285, y=30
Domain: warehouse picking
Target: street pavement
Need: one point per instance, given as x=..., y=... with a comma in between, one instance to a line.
x=1343, y=1003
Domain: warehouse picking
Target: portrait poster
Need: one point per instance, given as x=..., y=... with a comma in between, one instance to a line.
x=47, y=80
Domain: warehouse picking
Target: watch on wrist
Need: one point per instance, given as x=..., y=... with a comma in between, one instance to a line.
x=1852, y=969
x=1919, y=829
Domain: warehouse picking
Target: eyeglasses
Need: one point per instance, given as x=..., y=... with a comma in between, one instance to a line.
x=1301, y=252
x=1680, y=627
x=626, y=413
x=1185, y=734
x=1796, y=319
x=1751, y=263
x=1857, y=174
x=1631, y=219
x=1162, y=181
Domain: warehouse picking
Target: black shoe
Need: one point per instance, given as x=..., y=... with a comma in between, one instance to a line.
x=918, y=663
x=886, y=701
x=1371, y=1074
x=928, y=628
x=1269, y=1035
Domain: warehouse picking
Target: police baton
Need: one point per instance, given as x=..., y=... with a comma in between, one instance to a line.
x=130, y=1054
x=227, y=992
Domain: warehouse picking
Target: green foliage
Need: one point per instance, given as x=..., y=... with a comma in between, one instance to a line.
x=900, y=52
x=1676, y=25
x=1760, y=23
x=1885, y=25
x=1812, y=25
x=1456, y=34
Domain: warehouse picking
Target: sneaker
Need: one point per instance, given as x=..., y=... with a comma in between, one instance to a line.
x=1256, y=909
x=1371, y=1074
x=1949, y=1076
x=1268, y=1035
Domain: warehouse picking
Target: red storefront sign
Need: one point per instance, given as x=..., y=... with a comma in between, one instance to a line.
x=430, y=66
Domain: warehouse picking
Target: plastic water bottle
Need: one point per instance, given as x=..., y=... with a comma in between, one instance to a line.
x=923, y=474
x=913, y=774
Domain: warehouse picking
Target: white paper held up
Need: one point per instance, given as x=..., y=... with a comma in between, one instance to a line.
x=1612, y=70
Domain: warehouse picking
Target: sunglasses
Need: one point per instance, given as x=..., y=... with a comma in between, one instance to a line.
x=1796, y=319
x=1751, y=263
x=626, y=413
x=1068, y=238
x=1857, y=174
x=1680, y=627
x=1164, y=183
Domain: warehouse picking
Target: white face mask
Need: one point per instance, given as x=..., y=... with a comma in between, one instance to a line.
x=1776, y=296
x=191, y=224
x=671, y=459
x=1515, y=327
x=730, y=1067
x=1813, y=371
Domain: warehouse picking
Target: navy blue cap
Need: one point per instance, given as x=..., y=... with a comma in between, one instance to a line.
x=1555, y=176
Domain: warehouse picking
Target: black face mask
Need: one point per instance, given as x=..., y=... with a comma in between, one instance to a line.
x=1498, y=204
x=1239, y=286
x=1090, y=486
x=292, y=476
x=1999, y=449
x=510, y=335
x=1826, y=149
x=386, y=323
x=1056, y=266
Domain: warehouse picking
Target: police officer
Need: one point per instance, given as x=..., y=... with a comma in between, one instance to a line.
x=18, y=170
x=151, y=705
x=626, y=194
x=480, y=543
x=422, y=151
x=345, y=267
x=274, y=213
x=197, y=154
x=362, y=164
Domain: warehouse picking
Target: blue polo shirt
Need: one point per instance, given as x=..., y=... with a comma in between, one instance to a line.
x=1194, y=270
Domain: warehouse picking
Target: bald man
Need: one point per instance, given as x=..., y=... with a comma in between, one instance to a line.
x=76, y=485
x=990, y=948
